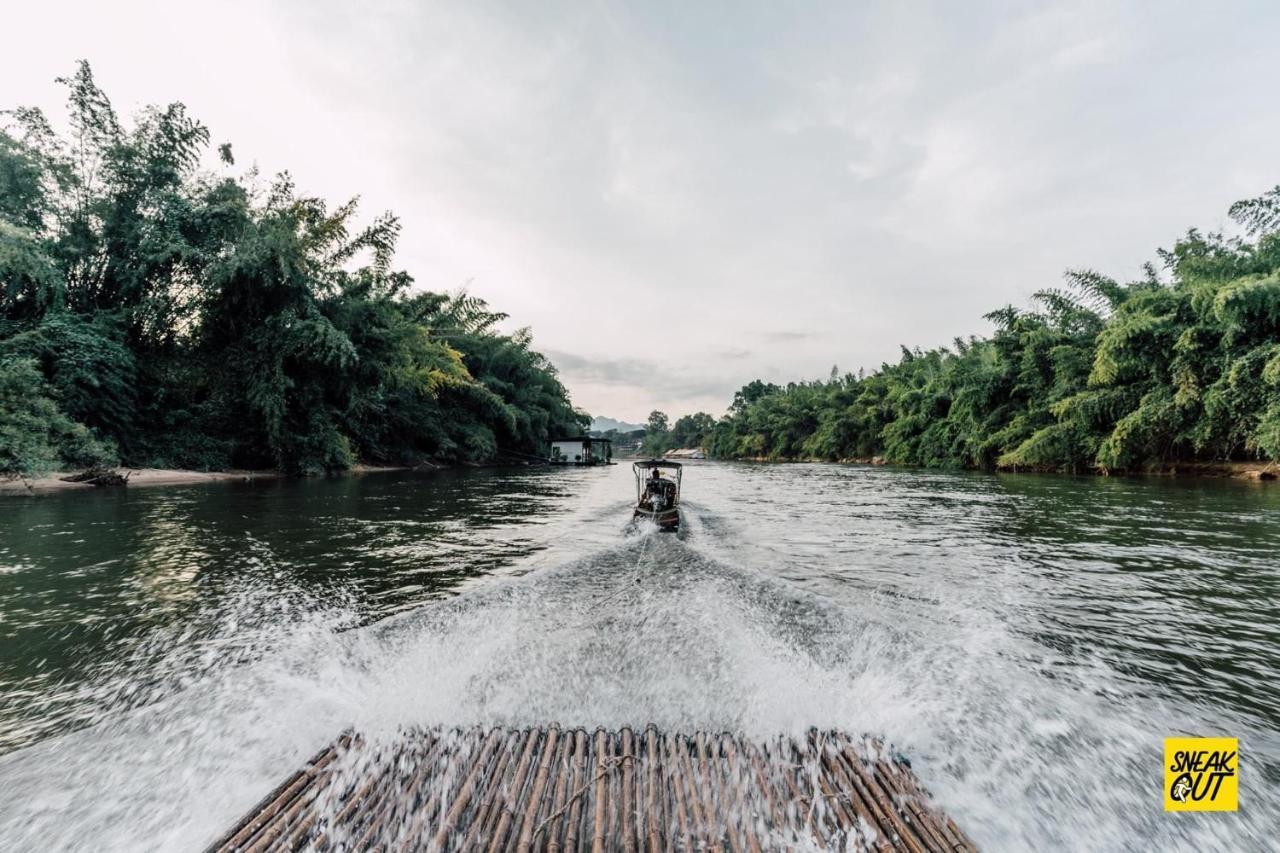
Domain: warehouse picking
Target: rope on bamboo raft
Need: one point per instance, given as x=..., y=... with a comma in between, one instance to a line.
x=608, y=765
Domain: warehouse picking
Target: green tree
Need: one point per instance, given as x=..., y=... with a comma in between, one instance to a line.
x=657, y=434
x=36, y=436
x=1182, y=364
x=692, y=430
x=206, y=320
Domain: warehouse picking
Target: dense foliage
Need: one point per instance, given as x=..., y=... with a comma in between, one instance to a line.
x=1182, y=365
x=153, y=313
x=689, y=431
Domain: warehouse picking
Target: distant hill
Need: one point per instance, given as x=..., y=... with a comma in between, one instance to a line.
x=606, y=424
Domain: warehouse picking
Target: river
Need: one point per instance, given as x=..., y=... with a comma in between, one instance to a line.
x=168, y=654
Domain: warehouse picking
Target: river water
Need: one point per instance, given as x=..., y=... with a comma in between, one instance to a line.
x=168, y=654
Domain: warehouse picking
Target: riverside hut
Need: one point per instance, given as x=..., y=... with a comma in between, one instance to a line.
x=581, y=450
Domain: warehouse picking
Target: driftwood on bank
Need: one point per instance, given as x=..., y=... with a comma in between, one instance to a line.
x=99, y=476
x=557, y=790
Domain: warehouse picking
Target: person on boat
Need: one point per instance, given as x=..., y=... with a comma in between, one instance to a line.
x=657, y=487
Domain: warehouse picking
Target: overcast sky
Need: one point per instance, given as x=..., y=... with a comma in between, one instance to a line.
x=679, y=198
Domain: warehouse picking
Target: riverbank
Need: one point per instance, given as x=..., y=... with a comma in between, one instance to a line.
x=54, y=482
x=1259, y=471
x=1256, y=471
x=162, y=477
x=137, y=477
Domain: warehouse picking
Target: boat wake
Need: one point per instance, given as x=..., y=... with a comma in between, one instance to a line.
x=652, y=630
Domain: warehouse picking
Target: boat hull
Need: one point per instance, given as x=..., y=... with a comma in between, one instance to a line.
x=666, y=519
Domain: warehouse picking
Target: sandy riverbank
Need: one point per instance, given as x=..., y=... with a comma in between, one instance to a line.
x=157, y=477
x=179, y=477
x=137, y=477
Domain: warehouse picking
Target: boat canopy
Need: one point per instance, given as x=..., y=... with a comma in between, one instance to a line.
x=649, y=474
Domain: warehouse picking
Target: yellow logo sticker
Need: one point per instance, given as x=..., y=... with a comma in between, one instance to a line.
x=1201, y=774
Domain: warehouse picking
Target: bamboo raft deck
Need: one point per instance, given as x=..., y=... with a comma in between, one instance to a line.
x=557, y=790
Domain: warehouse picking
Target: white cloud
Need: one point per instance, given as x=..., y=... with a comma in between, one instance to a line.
x=672, y=187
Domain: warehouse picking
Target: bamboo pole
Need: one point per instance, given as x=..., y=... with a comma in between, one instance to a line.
x=925, y=824
x=307, y=813
x=266, y=808
x=485, y=816
x=430, y=757
x=579, y=776
x=845, y=808
x=714, y=782
x=602, y=793
x=484, y=829
x=615, y=787
x=740, y=784
x=558, y=800
x=851, y=802
x=962, y=842
x=268, y=835
x=640, y=823
x=653, y=819
x=447, y=748
x=952, y=832
x=546, y=804
x=381, y=777
x=396, y=796
x=675, y=776
x=511, y=791
x=766, y=789
x=811, y=820
x=628, y=793
x=702, y=818
x=855, y=773
x=535, y=795
x=464, y=797
x=284, y=794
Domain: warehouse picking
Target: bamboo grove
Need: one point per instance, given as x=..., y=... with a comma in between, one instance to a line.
x=156, y=312
x=1180, y=366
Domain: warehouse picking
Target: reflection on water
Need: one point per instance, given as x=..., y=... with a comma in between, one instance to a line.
x=1028, y=641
